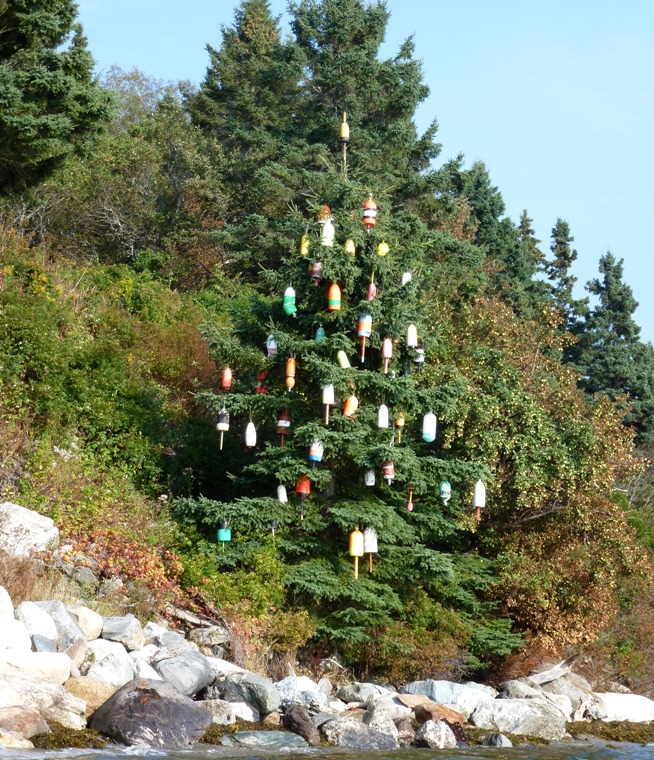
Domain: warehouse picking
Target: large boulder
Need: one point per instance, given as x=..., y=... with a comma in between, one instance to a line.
x=435, y=735
x=6, y=605
x=151, y=714
x=15, y=636
x=173, y=642
x=360, y=692
x=70, y=637
x=253, y=689
x=108, y=661
x=88, y=620
x=222, y=712
x=125, y=629
x=632, y=707
x=49, y=666
x=36, y=620
x=50, y=700
x=212, y=637
x=464, y=697
x=92, y=690
x=14, y=740
x=350, y=733
x=300, y=690
x=189, y=672
x=297, y=719
x=24, y=532
x=521, y=716
x=27, y=722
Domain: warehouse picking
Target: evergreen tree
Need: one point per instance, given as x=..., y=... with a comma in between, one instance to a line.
x=49, y=100
x=559, y=273
x=609, y=354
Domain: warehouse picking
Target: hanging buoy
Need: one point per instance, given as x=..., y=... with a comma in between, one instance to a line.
x=383, y=249
x=320, y=333
x=250, y=435
x=382, y=416
x=350, y=247
x=290, y=372
x=283, y=425
x=409, y=504
x=350, y=406
x=372, y=291
x=411, y=336
x=388, y=471
x=281, y=494
x=305, y=245
x=224, y=533
x=406, y=278
x=369, y=213
x=289, y=302
x=260, y=387
x=445, y=491
x=302, y=489
x=226, y=379
x=343, y=360
x=316, y=451
x=370, y=478
x=370, y=545
x=315, y=270
x=345, y=130
x=387, y=353
x=273, y=526
x=222, y=424
x=271, y=346
x=364, y=330
x=429, y=423
x=479, y=499
x=419, y=358
x=327, y=400
x=327, y=234
x=334, y=297
x=356, y=549
x=399, y=426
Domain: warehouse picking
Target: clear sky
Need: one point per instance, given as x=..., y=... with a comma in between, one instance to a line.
x=557, y=98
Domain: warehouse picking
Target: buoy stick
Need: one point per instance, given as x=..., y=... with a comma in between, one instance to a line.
x=356, y=568
x=478, y=515
x=363, y=349
x=370, y=562
x=326, y=414
x=221, y=440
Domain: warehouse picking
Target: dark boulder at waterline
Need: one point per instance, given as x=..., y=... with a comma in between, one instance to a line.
x=151, y=713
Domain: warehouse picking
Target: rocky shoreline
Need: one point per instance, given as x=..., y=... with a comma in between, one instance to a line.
x=65, y=665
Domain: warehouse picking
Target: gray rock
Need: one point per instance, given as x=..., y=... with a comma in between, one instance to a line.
x=113, y=669
x=125, y=629
x=519, y=690
x=350, y=733
x=212, y=636
x=495, y=739
x=88, y=620
x=70, y=637
x=50, y=666
x=36, y=620
x=28, y=723
x=405, y=733
x=436, y=735
x=151, y=714
x=50, y=700
x=297, y=719
x=84, y=576
x=222, y=712
x=571, y=688
x=244, y=711
x=464, y=697
x=253, y=689
x=23, y=532
x=189, y=672
x=43, y=644
x=173, y=642
x=265, y=740
x=380, y=721
x=360, y=692
x=521, y=716
x=325, y=685
x=300, y=690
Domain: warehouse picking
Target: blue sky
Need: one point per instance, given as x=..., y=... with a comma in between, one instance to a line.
x=556, y=98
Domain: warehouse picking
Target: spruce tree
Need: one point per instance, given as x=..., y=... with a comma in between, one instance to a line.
x=49, y=99
x=559, y=273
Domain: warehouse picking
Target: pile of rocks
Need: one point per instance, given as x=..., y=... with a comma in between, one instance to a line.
x=152, y=686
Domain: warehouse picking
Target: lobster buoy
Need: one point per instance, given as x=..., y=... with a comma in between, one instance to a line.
x=222, y=424
x=282, y=495
x=406, y=278
x=399, y=426
x=411, y=336
x=383, y=249
x=369, y=213
x=388, y=471
x=226, y=379
x=372, y=291
x=349, y=246
x=283, y=425
x=315, y=270
x=316, y=451
x=343, y=360
x=350, y=407
x=320, y=333
x=224, y=534
x=364, y=330
x=370, y=478
x=305, y=245
x=409, y=504
x=271, y=346
x=419, y=358
x=479, y=499
x=327, y=399
x=290, y=372
x=382, y=416
x=250, y=435
x=289, y=302
x=345, y=130
x=334, y=297
x=302, y=489
x=370, y=545
x=327, y=233
x=445, y=491
x=387, y=353
x=429, y=423
x=356, y=549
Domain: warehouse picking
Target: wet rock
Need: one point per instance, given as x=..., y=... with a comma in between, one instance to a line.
x=297, y=719
x=26, y=722
x=350, y=733
x=464, y=697
x=244, y=711
x=436, y=735
x=405, y=733
x=253, y=689
x=431, y=711
x=264, y=740
x=50, y=700
x=151, y=714
x=14, y=740
x=521, y=716
x=495, y=739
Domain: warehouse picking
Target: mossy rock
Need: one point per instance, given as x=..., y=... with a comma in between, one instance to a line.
x=215, y=732
x=62, y=737
x=613, y=731
x=476, y=735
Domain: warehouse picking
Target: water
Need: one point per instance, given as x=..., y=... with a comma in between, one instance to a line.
x=595, y=751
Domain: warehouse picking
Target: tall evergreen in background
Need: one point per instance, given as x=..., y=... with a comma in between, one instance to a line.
x=559, y=272
x=49, y=101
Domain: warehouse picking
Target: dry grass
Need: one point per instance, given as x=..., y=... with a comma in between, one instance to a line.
x=29, y=580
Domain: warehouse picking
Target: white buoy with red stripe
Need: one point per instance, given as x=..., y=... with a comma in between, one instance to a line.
x=370, y=545
x=283, y=425
x=369, y=213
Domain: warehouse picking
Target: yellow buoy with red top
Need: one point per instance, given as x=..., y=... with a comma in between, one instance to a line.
x=356, y=549
x=290, y=372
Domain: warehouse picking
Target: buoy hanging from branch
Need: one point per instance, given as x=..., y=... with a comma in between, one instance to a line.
x=316, y=451
x=409, y=504
x=261, y=379
x=370, y=478
x=369, y=213
x=382, y=416
x=399, y=426
x=411, y=336
x=226, y=379
x=271, y=346
x=315, y=270
x=334, y=297
x=343, y=360
x=383, y=248
x=370, y=545
x=327, y=399
x=283, y=425
x=290, y=372
x=388, y=471
x=429, y=424
x=282, y=495
x=305, y=245
x=222, y=424
x=320, y=333
x=356, y=549
x=327, y=232
x=419, y=358
x=302, y=489
x=345, y=139
x=445, y=491
x=387, y=353
x=289, y=302
x=350, y=406
x=350, y=248
x=364, y=330
x=406, y=278
x=479, y=499
x=250, y=435
x=372, y=289
x=224, y=534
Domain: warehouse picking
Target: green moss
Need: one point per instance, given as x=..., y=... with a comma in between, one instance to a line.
x=62, y=737
x=614, y=731
x=475, y=736
x=215, y=732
